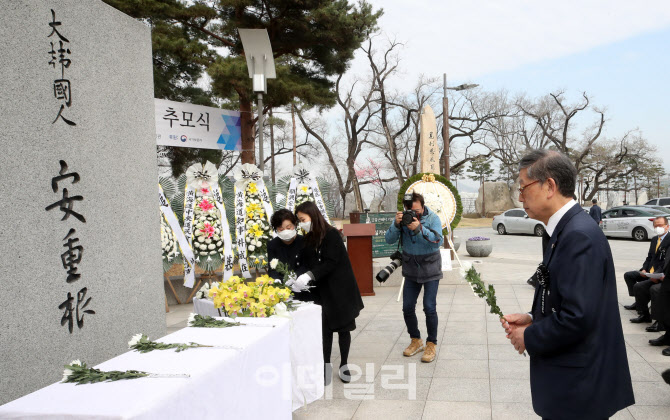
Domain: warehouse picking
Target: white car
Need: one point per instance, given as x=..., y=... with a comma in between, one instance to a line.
x=663, y=201
x=517, y=221
x=630, y=222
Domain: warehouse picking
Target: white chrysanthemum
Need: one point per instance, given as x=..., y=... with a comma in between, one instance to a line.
x=66, y=374
x=273, y=263
x=136, y=339
x=280, y=309
x=191, y=319
x=76, y=363
x=252, y=248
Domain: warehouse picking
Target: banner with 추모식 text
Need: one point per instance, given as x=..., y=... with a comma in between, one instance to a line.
x=180, y=124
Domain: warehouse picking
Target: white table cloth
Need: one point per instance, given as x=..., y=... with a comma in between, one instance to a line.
x=223, y=384
x=306, y=352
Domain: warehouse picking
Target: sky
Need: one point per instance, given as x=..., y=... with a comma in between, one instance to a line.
x=616, y=51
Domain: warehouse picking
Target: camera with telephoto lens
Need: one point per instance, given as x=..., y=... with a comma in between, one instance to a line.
x=385, y=273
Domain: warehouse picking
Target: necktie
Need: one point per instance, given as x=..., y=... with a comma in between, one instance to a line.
x=658, y=244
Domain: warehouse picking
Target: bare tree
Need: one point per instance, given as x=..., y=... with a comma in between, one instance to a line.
x=384, y=65
x=557, y=119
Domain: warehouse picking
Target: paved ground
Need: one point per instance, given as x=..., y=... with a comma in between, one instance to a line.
x=477, y=374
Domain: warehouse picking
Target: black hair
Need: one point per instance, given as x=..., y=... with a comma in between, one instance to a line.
x=319, y=224
x=415, y=197
x=279, y=216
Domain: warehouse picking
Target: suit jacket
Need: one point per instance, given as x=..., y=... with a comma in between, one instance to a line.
x=578, y=362
x=664, y=298
x=655, y=258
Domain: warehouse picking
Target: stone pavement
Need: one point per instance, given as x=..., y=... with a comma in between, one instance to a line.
x=477, y=374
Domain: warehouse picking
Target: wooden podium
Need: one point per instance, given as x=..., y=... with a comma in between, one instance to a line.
x=359, y=247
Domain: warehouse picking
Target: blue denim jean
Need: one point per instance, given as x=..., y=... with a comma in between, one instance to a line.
x=410, y=294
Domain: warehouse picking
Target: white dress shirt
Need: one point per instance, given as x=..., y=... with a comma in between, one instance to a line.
x=556, y=217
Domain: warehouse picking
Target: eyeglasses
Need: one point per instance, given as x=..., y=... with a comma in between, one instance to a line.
x=521, y=189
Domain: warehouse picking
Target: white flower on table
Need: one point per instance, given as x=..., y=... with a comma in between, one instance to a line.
x=66, y=374
x=191, y=319
x=273, y=263
x=76, y=363
x=136, y=339
x=280, y=309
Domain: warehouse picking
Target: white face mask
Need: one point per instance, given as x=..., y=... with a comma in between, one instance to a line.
x=287, y=235
x=306, y=226
x=660, y=230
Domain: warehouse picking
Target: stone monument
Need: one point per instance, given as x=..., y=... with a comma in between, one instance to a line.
x=79, y=233
x=498, y=198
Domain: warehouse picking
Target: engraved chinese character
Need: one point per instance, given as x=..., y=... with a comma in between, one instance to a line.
x=68, y=309
x=72, y=257
x=62, y=91
x=53, y=25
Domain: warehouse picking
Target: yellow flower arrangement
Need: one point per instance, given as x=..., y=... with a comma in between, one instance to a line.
x=254, y=209
x=252, y=188
x=255, y=299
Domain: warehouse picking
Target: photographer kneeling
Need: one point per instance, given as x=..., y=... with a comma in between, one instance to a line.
x=420, y=234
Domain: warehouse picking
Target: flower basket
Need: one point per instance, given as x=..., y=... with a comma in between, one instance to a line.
x=479, y=246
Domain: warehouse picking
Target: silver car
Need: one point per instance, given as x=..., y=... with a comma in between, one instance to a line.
x=517, y=221
x=663, y=201
x=630, y=222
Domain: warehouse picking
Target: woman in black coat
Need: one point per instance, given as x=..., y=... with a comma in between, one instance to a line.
x=326, y=258
x=286, y=247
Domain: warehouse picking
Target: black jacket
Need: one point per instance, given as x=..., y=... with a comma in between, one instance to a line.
x=289, y=254
x=655, y=258
x=578, y=362
x=286, y=253
x=664, y=298
x=336, y=285
x=596, y=213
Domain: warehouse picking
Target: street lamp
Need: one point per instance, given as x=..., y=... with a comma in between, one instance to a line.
x=261, y=66
x=445, y=121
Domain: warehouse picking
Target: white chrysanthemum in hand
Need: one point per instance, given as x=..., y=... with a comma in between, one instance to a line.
x=273, y=263
x=136, y=339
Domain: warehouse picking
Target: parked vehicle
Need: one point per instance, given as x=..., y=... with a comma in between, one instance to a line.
x=517, y=221
x=663, y=201
x=665, y=210
x=630, y=222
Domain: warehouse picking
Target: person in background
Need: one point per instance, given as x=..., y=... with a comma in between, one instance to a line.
x=326, y=258
x=596, y=212
x=422, y=268
x=637, y=281
x=285, y=247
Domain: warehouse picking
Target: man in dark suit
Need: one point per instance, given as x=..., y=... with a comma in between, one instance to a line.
x=595, y=212
x=662, y=308
x=578, y=362
x=638, y=280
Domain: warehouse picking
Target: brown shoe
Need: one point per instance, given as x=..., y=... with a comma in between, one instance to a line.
x=414, y=347
x=429, y=353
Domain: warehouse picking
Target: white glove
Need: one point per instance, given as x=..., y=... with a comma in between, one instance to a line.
x=291, y=280
x=301, y=283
